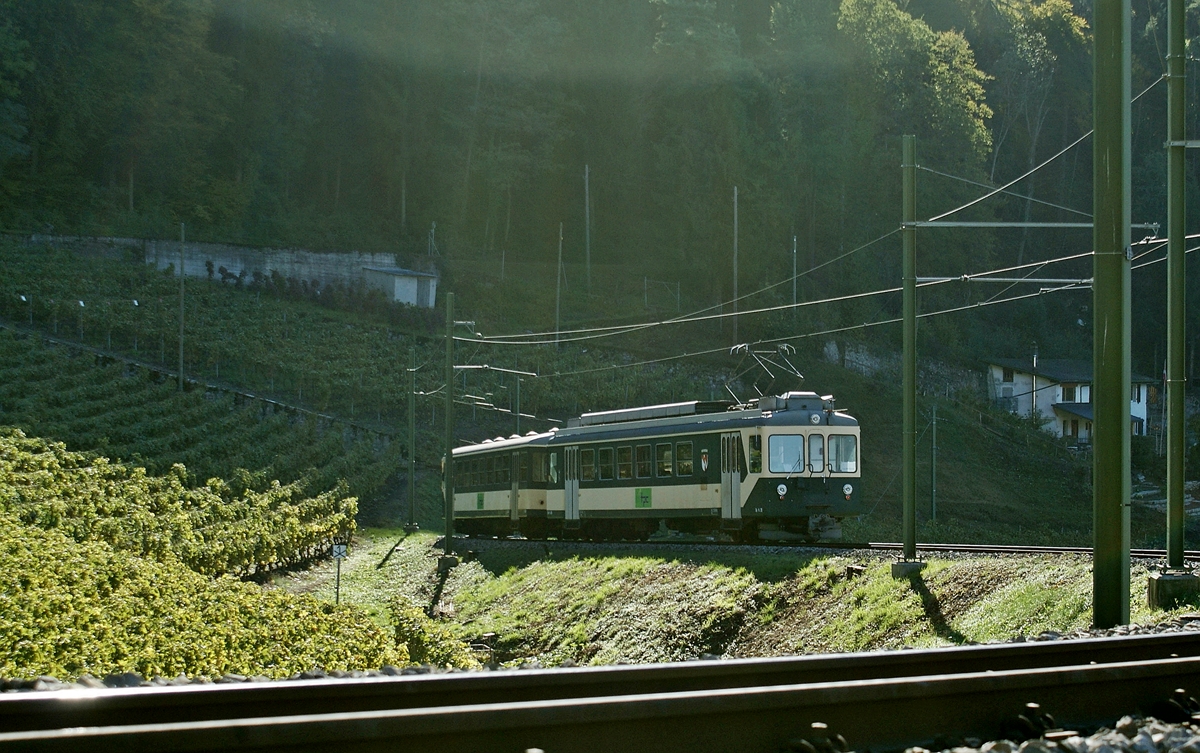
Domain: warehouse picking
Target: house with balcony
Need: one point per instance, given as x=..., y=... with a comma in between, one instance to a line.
x=1059, y=392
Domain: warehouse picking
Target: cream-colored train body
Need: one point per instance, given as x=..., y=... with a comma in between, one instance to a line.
x=780, y=468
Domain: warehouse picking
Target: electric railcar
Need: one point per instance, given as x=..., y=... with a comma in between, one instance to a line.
x=779, y=468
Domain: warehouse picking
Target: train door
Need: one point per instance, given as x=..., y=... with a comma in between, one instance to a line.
x=731, y=477
x=514, y=491
x=571, y=486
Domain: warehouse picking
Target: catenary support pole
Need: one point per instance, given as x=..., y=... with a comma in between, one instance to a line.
x=909, y=368
x=558, y=287
x=1165, y=589
x=793, y=277
x=587, y=225
x=448, y=472
x=933, y=469
x=1176, y=134
x=182, y=237
x=1111, y=313
x=412, y=441
x=735, y=266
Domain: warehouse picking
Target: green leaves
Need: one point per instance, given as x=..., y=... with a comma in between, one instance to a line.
x=211, y=529
x=931, y=76
x=67, y=608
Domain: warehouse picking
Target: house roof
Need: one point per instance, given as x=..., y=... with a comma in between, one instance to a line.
x=1061, y=369
x=400, y=272
x=1084, y=410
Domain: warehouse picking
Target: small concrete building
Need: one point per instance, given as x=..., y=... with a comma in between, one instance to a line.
x=404, y=285
x=1059, y=390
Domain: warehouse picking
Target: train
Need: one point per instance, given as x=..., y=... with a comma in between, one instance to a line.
x=781, y=468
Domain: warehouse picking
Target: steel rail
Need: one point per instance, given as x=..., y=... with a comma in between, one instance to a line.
x=879, y=714
x=464, y=544
x=29, y=711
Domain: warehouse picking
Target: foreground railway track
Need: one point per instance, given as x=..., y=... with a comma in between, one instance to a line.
x=465, y=543
x=881, y=701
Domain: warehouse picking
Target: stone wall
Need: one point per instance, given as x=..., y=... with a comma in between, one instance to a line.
x=933, y=377
x=342, y=268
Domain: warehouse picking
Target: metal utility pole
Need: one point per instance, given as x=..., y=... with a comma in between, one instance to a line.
x=1111, y=313
x=933, y=470
x=182, y=238
x=909, y=365
x=793, y=277
x=558, y=287
x=1176, y=43
x=518, y=405
x=735, y=266
x=1166, y=588
x=587, y=225
x=412, y=441
x=448, y=472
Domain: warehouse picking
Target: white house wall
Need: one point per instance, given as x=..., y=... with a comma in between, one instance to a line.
x=1049, y=393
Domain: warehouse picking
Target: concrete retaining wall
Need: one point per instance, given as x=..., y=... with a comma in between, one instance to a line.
x=342, y=268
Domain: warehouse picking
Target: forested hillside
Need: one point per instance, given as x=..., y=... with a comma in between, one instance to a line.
x=361, y=123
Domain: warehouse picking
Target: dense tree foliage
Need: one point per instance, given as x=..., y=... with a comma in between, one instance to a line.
x=361, y=123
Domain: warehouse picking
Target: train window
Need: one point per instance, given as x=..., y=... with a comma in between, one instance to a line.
x=472, y=471
x=683, y=459
x=843, y=453
x=624, y=462
x=816, y=453
x=606, y=464
x=643, y=461
x=491, y=470
x=787, y=453
x=524, y=467
x=587, y=463
x=538, y=466
x=662, y=460
x=756, y=453
x=504, y=469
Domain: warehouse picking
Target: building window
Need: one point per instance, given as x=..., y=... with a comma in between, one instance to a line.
x=587, y=463
x=683, y=457
x=1137, y=393
x=1074, y=427
x=606, y=464
x=643, y=461
x=1008, y=375
x=1068, y=393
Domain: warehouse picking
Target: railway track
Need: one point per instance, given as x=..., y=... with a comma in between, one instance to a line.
x=880, y=701
x=467, y=543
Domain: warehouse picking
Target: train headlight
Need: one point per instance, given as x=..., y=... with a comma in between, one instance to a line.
x=847, y=489
x=782, y=489
x=814, y=418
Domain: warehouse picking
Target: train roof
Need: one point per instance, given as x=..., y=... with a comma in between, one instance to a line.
x=791, y=409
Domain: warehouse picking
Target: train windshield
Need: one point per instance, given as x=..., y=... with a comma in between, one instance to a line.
x=843, y=453
x=787, y=453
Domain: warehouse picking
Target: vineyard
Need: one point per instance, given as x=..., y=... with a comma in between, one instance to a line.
x=346, y=359
x=69, y=608
x=136, y=416
x=218, y=528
